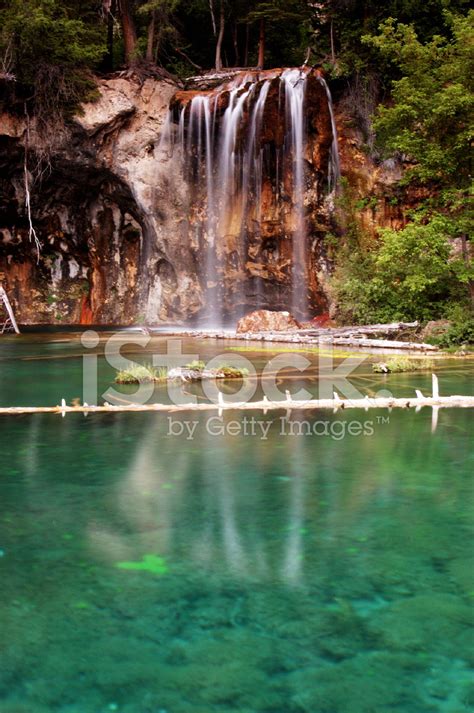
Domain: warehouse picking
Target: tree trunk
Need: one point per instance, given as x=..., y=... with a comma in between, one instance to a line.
x=151, y=37
x=220, y=38
x=128, y=31
x=213, y=17
x=246, y=52
x=110, y=43
x=157, y=46
x=108, y=9
x=333, y=54
x=261, y=45
x=235, y=39
x=467, y=259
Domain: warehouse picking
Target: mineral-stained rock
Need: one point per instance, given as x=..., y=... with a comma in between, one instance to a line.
x=120, y=237
x=264, y=320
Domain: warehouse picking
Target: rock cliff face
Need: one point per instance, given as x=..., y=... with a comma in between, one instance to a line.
x=119, y=232
x=102, y=213
x=257, y=219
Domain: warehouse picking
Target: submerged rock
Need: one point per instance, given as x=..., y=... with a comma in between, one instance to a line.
x=264, y=320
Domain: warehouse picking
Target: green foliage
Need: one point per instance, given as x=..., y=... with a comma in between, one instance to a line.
x=276, y=11
x=459, y=332
x=223, y=371
x=401, y=364
x=409, y=274
x=48, y=47
x=430, y=120
x=231, y=372
x=141, y=374
x=196, y=365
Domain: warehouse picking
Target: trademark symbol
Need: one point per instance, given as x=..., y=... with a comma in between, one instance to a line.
x=383, y=420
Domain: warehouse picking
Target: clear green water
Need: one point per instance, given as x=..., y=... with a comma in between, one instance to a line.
x=144, y=572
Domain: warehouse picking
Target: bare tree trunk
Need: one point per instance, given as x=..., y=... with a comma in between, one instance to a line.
x=331, y=31
x=247, y=37
x=110, y=39
x=129, y=32
x=220, y=37
x=213, y=17
x=157, y=47
x=467, y=259
x=151, y=37
x=261, y=45
x=108, y=10
x=235, y=40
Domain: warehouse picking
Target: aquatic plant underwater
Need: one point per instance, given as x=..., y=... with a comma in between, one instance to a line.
x=291, y=574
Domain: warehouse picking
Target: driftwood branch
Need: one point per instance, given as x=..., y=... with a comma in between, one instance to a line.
x=26, y=178
x=187, y=58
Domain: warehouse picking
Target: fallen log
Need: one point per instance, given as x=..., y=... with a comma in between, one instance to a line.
x=350, y=336
x=310, y=405
x=360, y=329
x=323, y=339
x=435, y=401
x=383, y=344
x=11, y=321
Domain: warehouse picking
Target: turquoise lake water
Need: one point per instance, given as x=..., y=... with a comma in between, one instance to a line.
x=147, y=572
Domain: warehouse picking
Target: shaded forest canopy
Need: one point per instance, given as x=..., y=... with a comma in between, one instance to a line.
x=65, y=38
x=405, y=66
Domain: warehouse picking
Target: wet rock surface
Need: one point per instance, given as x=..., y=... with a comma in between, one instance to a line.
x=121, y=233
x=107, y=217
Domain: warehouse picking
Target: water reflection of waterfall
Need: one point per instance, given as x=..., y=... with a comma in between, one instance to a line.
x=243, y=161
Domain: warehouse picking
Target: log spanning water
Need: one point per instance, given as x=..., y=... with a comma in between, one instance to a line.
x=335, y=404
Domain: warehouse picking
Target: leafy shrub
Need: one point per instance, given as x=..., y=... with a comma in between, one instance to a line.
x=196, y=365
x=140, y=374
x=232, y=372
x=401, y=364
x=409, y=274
x=461, y=331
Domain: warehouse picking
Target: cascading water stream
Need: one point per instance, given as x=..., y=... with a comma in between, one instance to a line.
x=334, y=173
x=234, y=171
x=294, y=83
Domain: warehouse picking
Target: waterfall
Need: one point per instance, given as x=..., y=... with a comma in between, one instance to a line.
x=334, y=172
x=240, y=169
x=294, y=82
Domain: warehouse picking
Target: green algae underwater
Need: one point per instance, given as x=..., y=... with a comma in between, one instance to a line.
x=148, y=573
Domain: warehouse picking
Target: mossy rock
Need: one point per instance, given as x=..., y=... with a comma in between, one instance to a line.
x=375, y=682
x=433, y=623
x=461, y=572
